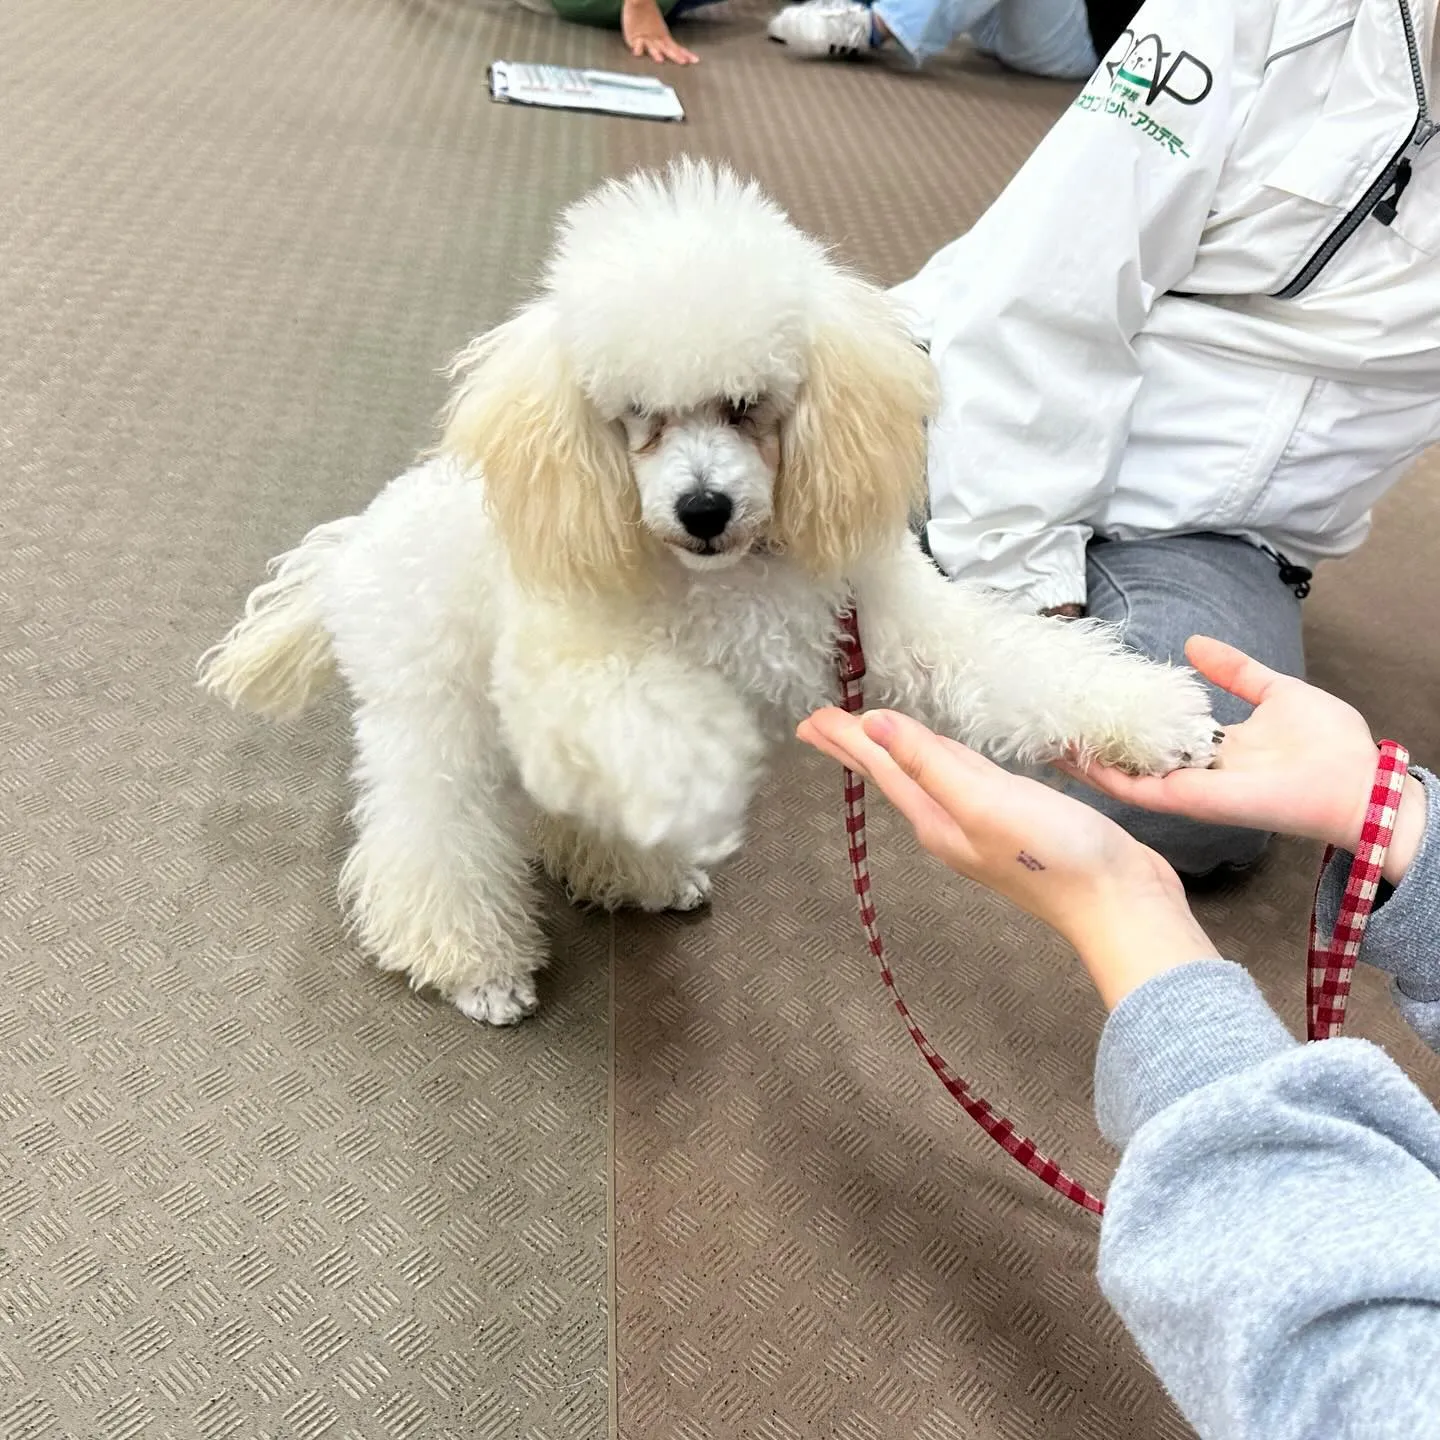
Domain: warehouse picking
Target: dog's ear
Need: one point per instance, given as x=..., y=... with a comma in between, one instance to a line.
x=556, y=475
x=852, y=467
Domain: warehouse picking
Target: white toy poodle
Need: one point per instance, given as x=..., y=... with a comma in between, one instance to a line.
x=574, y=634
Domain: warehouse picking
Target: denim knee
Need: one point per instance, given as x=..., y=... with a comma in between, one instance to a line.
x=1193, y=849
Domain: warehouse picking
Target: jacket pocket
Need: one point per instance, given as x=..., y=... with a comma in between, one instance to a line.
x=1351, y=92
x=1304, y=157
x=1341, y=175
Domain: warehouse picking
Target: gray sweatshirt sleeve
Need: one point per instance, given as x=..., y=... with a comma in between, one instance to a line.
x=1272, y=1235
x=1403, y=936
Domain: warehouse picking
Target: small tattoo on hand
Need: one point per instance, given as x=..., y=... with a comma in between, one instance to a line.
x=1029, y=861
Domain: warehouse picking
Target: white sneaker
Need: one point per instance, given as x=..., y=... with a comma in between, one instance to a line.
x=823, y=27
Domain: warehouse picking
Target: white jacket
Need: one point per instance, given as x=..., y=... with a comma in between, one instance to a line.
x=1186, y=312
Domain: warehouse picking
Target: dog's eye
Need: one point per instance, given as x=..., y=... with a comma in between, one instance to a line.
x=738, y=411
x=644, y=433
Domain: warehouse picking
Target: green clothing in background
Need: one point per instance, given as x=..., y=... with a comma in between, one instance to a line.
x=604, y=13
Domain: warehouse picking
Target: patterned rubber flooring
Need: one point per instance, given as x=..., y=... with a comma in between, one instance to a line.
x=251, y=1188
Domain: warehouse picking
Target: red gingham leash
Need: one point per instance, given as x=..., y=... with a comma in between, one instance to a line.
x=1327, y=980
x=851, y=668
x=1331, y=963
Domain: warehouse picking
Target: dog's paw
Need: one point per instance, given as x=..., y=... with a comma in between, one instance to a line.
x=499, y=1002
x=661, y=893
x=1195, y=750
x=1169, y=727
x=693, y=893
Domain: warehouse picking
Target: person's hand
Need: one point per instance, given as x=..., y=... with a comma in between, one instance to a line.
x=1119, y=904
x=648, y=36
x=1302, y=764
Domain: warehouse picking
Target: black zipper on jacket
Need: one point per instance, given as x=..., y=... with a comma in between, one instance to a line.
x=1382, y=198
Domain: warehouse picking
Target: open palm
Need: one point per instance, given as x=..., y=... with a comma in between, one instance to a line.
x=1302, y=764
x=1038, y=848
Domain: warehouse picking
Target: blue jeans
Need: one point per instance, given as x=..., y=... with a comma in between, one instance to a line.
x=1160, y=592
x=1040, y=37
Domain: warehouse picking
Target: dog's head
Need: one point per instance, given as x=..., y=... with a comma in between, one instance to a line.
x=697, y=380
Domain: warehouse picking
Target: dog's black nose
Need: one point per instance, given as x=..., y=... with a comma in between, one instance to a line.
x=704, y=514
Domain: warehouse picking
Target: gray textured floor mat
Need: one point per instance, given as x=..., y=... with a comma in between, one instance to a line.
x=250, y=1188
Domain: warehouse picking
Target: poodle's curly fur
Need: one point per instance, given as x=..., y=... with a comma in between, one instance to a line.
x=577, y=630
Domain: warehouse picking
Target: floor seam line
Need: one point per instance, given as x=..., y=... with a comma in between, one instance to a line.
x=612, y=1229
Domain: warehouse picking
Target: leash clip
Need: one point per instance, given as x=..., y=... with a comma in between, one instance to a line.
x=851, y=659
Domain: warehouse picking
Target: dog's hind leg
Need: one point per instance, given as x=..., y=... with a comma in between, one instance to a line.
x=439, y=881
x=616, y=875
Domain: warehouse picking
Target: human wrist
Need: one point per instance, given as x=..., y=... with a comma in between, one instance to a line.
x=1126, y=937
x=1410, y=820
x=1410, y=817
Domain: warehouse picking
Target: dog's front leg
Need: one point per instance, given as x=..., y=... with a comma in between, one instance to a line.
x=628, y=740
x=1017, y=685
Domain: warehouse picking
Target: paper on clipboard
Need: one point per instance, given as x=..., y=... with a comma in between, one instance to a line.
x=605, y=92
